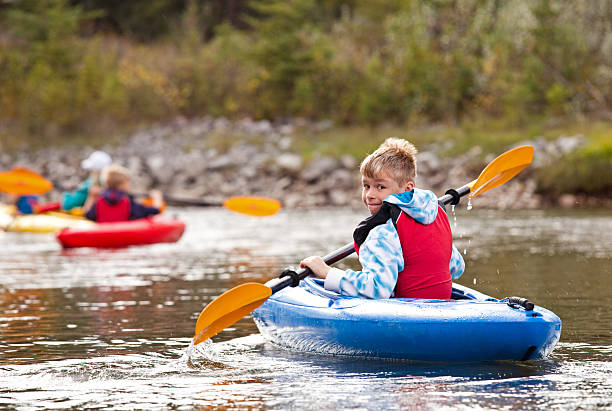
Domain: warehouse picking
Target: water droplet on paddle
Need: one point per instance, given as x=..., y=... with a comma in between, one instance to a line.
x=469, y=204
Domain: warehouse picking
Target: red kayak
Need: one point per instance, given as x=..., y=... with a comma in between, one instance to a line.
x=152, y=230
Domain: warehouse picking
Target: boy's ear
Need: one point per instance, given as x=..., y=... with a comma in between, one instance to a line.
x=409, y=186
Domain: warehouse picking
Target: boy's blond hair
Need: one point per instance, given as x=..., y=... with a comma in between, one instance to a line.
x=395, y=157
x=114, y=175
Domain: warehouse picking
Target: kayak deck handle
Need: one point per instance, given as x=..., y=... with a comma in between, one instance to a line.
x=516, y=302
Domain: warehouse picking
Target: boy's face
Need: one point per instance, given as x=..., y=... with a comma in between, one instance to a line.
x=124, y=186
x=375, y=190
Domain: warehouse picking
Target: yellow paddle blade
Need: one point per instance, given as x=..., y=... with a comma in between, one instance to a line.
x=228, y=308
x=255, y=206
x=22, y=181
x=502, y=169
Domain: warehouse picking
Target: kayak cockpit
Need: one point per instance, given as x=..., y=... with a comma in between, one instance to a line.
x=459, y=292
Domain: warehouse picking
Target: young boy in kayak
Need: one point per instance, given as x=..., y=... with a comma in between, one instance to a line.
x=115, y=203
x=95, y=163
x=405, y=247
x=28, y=204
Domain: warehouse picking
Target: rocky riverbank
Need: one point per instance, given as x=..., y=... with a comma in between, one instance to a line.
x=213, y=158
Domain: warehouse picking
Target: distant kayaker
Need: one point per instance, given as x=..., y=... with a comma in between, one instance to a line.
x=405, y=247
x=92, y=186
x=115, y=203
x=29, y=204
x=24, y=204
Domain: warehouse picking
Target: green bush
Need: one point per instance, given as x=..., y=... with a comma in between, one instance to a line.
x=587, y=171
x=356, y=62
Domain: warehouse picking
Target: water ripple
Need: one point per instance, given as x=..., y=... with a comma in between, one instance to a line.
x=112, y=328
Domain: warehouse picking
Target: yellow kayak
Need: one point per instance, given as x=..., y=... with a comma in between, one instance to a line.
x=48, y=222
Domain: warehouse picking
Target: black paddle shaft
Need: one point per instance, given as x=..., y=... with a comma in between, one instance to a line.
x=177, y=201
x=452, y=196
x=290, y=277
x=170, y=200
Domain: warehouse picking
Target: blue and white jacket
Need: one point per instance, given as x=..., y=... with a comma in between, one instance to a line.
x=381, y=255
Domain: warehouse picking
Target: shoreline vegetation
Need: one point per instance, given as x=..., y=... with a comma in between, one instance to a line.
x=278, y=87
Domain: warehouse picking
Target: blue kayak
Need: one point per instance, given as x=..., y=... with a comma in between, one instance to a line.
x=470, y=326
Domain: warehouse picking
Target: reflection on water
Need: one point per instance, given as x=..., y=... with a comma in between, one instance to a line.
x=112, y=328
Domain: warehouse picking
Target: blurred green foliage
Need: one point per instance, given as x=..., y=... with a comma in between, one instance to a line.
x=77, y=66
x=586, y=171
x=90, y=67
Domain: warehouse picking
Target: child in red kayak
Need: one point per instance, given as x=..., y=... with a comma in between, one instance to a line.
x=405, y=247
x=115, y=203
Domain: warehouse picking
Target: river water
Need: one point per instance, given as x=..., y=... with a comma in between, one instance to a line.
x=93, y=328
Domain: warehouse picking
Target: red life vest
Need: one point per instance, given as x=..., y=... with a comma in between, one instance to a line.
x=110, y=213
x=427, y=250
